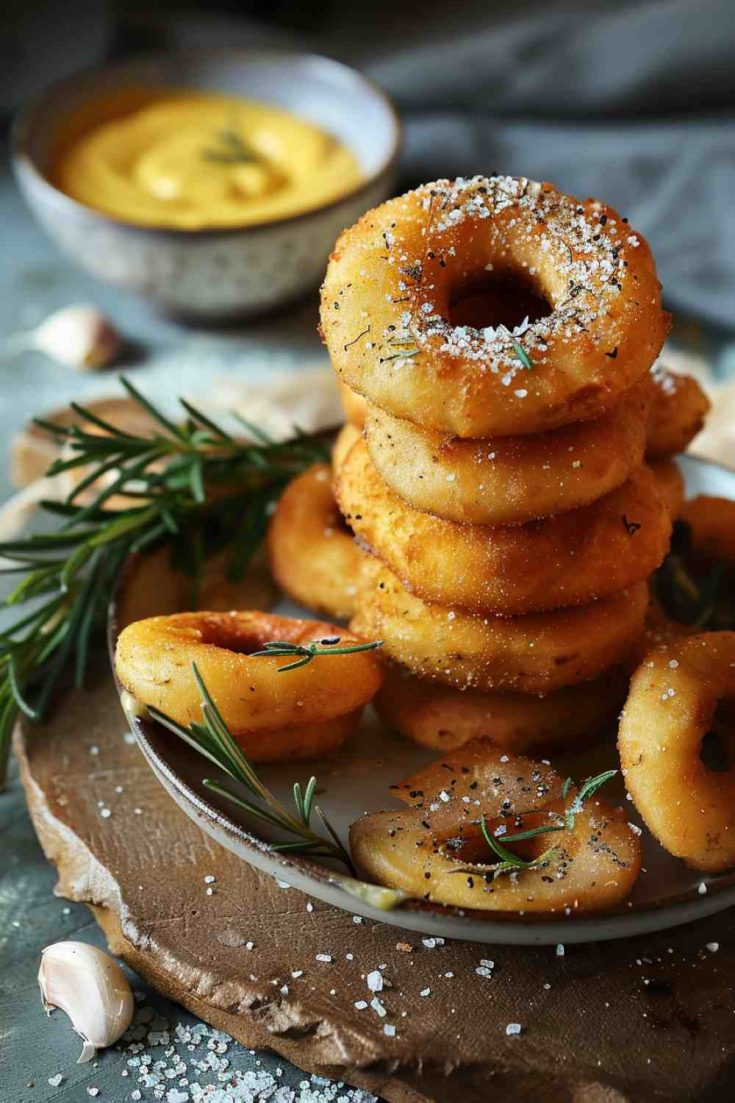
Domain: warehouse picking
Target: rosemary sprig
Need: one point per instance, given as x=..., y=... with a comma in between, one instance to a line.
x=309, y=651
x=512, y=863
x=232, y=151
x=522, y=355
x=213, y=739
x=191, y=485
x=693, y=589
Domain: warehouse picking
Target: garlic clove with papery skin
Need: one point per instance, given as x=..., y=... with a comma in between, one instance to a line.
x=91, y=988
x=79, y=336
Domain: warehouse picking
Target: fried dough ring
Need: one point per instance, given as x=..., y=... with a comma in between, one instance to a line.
x=509, y=480
x=534, y=654
x=670, y=483
x=712, y=525
x=304, y=712
x=571, y=559
x=348, y=435
x=677, y=412
x=670, y=708
x=312, y=553
x=444, y=718
x=402, y=265
x=353, y=405
x=423, y=849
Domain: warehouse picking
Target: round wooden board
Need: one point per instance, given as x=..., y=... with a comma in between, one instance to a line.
x=642, y=1019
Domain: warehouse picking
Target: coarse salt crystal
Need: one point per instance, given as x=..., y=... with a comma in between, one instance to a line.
x=513, y=1028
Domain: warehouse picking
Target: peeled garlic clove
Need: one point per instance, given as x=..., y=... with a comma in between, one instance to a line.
x=91, y=988
x=78, y=336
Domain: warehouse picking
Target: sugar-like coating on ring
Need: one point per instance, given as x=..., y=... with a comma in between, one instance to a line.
x=387, y=307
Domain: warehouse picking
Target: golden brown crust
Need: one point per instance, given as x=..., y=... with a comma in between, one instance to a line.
x=670, y=708
x=533, y=654
x=313, y=555
x=509, y=480
x=434, y=850
x=386, y=298
x=154, y=657
x=443, y=718
x=677, y=412
x=571, y=559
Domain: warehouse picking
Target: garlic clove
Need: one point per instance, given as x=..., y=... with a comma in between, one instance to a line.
x=91, y=988
x=78, y=336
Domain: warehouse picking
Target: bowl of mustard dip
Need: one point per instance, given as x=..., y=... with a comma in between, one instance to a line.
x=213, y=183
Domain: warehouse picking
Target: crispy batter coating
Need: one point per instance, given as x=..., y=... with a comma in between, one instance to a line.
x=510, y=570
x=534, y=654
x=672, y=706
x=273, y=716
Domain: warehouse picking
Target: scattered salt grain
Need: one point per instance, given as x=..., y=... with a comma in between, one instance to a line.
x=374, y=981
x=513, y=1028
x=560, y=949
x=713, y=947
x=324, y=957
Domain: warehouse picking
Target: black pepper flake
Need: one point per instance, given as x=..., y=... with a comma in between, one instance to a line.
x=612, y=355
x=631, y=527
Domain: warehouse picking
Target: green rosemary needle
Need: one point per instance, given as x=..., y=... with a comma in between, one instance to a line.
x=512, y=863
x=192, y=486
x=213, y=739
x=309, y=651
x=232, y=149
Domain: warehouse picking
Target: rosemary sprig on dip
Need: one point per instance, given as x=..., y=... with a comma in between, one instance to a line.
x=232, y=149
x=512, y=863
x=193, y=485
x=213, y=740
x=306, y=652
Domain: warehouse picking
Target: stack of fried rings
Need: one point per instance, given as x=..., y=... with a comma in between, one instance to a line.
x=501, y=484
x=519, y=478
x=571, y=559
x=301, y=714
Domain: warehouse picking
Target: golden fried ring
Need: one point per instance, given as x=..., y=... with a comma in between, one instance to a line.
x=272, y=715
x=353, y=405
x=670, y=708
x=312, y=553
x=431, y=852
x=509, y=480
x=348, y=435
x=443, y=718
x=677, y=411
x=670, y=483
x=402, y=266
x=510, y=570
x=712, y=524
x=534, y=654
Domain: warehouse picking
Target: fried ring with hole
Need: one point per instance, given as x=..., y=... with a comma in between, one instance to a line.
x=712, y=525
x=534, y=654
x=435, y=851
x=312, y=553
x=348, y=435
x=353, y=405
x=444, y=718
x=509, y=570
x=299, y=714
x=402, y=265
x=677, y=412
x=509, y=480
x=670, y=483
x=671, y=707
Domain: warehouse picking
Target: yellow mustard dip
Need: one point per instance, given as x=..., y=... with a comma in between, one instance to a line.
x=195, y=161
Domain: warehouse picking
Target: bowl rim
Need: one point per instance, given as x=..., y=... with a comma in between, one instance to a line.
x=27, y=118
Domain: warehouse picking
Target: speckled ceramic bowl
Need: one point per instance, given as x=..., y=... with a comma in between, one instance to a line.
x=225, y=273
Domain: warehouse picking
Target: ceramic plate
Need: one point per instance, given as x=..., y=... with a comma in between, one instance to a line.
x=358, y=779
